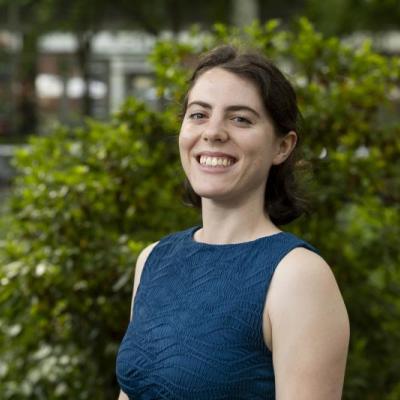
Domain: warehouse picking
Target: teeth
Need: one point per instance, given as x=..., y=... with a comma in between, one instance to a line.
x=216, y=161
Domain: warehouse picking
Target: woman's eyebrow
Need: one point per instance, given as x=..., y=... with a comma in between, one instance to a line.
x=240, y=107
x=199, y=103
x=233, y=107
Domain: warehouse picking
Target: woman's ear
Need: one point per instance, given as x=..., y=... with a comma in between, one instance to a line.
x=286, y=145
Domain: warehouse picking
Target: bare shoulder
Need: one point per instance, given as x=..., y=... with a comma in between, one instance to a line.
x=144, y=254
x=307, y=275
x=122, y=396
x=140, y=263
x=310, y=328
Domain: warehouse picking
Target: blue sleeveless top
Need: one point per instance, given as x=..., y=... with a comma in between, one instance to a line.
x=196, y=331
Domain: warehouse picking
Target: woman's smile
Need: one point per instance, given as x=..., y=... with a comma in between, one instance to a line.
x=215, y=162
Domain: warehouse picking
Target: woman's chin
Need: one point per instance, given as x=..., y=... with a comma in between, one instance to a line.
x=216, y=195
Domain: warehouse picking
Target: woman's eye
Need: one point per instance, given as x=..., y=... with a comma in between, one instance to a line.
x=196, y=115
x=241, y=120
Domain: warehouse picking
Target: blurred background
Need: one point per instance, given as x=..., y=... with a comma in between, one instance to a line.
x=89, y=98
x=61, y=61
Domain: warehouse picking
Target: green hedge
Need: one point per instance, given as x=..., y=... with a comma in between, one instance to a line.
x=85, y=203
x=87, y=200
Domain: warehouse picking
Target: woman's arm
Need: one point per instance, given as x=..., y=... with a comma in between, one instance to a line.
x=140, y=262
x=122, y=396
x=310, y=329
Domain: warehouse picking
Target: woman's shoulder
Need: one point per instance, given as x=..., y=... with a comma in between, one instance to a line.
x=303, y=283
x=165, y=242
x=295, y=242
x=303, y=267
x=140, y=263
x=309, y=322
x=162, y=246
x=144, y=254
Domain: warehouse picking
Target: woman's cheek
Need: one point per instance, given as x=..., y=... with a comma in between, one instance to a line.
x=185, y=137
x=186, y=143
x=184, y=152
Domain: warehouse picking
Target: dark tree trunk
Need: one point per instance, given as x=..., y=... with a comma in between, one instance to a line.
x=26, y=103
x=175, y=17
x=84, y=55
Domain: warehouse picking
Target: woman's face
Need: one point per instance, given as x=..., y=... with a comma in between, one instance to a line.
x=227, y=142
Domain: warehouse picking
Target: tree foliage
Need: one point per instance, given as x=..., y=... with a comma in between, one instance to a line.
x=86, y=201
x=347, y=16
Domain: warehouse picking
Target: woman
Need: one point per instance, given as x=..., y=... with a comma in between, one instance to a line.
x=236, y=308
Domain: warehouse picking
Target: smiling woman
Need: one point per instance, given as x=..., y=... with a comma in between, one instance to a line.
x=236, y=308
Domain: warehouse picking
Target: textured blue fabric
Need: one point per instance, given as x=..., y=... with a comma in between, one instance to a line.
x=196, y=331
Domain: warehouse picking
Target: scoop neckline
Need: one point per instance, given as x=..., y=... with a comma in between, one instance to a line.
x=194, y=229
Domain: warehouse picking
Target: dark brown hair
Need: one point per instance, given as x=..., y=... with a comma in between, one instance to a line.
x=282, y=201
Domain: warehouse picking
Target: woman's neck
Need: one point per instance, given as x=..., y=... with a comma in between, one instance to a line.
x=238, y=223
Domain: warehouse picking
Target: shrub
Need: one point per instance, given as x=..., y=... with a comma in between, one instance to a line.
x=85, y=202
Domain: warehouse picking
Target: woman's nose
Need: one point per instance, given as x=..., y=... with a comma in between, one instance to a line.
x=215, y=130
